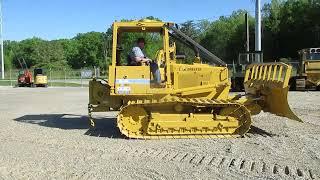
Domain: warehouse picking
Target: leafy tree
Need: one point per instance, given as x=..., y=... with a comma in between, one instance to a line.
x=190, y=29
x=89, y=50
x=10, y=47
x=291, y=25
x=226, y=36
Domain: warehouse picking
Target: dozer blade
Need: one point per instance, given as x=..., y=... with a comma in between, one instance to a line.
x=268, y=83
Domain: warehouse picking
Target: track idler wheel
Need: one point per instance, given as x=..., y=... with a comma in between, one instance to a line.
x=133, y=121
x=242, y=114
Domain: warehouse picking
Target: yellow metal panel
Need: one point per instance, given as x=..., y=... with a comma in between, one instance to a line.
x=256, y=72
x=312, y=70
x=41, y=79
x=274, y=72
x=112, y=73
x=132, y=80
x=114, y=44
x=259, y=71
x=269, y=72
x=280, y=73
x=167, y=56
x=264, y=72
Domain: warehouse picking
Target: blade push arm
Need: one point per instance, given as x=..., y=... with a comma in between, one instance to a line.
x=176, y=33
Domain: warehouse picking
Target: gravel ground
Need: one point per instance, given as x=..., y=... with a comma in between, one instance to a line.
x=44, y=134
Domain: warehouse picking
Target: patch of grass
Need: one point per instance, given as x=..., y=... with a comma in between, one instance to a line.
x=7, y=83
x=62, y=84
x=52, y=84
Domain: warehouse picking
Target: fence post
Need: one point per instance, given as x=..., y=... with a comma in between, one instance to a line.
x=10, y=77
x=65, y=78
x=81, y=77
x=50, y=77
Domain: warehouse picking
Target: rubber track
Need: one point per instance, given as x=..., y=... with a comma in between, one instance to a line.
x=186, y=101
x=246, y=166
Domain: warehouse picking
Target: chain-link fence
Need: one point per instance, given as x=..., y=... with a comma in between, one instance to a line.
x=57, y=77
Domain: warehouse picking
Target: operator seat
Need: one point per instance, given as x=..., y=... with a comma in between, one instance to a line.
x=131, y=62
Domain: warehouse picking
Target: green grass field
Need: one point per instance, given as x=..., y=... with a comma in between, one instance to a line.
x=62, y=84
x=7, y=83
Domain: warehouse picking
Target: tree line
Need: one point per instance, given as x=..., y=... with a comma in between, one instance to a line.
x=287, y=27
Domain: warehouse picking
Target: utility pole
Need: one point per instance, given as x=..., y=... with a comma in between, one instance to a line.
x=1, y=41
x=258, y=30
x=247, y=36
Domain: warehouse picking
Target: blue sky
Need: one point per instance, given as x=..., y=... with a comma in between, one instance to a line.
x=54, y=19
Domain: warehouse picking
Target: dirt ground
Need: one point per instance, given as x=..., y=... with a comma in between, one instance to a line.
x=44, y=134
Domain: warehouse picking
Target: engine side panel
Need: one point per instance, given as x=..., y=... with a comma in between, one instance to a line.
x=200, y=80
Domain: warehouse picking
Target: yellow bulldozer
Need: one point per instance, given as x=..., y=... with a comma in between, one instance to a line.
x=308, y=70
x=194, y=101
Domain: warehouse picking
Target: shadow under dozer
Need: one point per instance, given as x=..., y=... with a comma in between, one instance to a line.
x=106, y=126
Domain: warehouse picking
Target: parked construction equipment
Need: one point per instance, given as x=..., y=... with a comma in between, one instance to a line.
x=308, y=70
x=239, y=68
x=24, y=76
x=40, y=79
x=195, y=101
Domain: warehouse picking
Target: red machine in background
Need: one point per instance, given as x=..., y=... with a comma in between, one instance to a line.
x=24, y=76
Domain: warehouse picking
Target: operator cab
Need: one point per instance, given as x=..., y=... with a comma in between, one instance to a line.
x=137, y=77
x=125, y=78
x=38, y=71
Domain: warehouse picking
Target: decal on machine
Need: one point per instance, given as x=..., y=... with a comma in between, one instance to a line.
x=124, y=90
x=182, y=68
x=132, y=81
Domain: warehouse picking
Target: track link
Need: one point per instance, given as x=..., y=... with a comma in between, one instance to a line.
x=199, y=118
